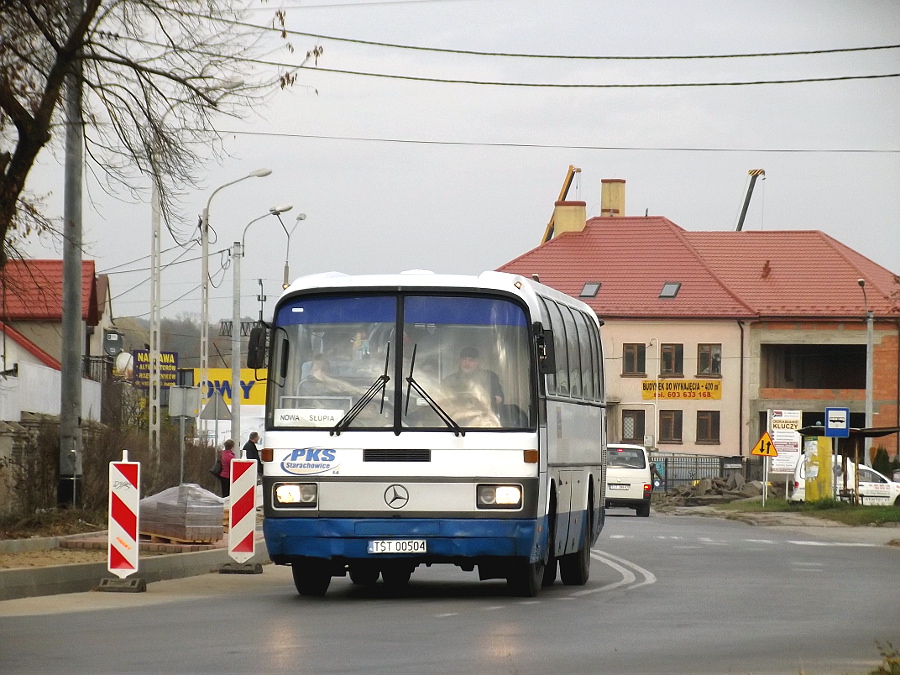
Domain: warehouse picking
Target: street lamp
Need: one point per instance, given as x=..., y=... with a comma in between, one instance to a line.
x=237, y=254
x=869, y=370
x=287, y=250
x=204, y=282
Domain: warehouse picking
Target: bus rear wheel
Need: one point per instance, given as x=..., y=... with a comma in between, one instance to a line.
x=575, y=568
x=311, y=576
x=525, y=578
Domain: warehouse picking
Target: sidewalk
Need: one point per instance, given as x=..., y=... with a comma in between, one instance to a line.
x=170, y=561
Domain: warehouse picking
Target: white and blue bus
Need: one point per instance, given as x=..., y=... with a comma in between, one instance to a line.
x=419, y=418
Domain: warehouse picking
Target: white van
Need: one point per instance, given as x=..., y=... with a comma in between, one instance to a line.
x=874, y=488
x=628, y=481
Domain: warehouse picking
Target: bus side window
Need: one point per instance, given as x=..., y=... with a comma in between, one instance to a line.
x=574, y=352
x=587, y=369
x=560, y=347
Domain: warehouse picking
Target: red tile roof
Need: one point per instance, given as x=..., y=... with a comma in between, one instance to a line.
x=31, y=290
x=722, y=274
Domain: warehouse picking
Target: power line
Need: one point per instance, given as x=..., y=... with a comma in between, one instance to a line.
x=582, y=57
x=534, y=85
x=557, y=85
x=551, y=146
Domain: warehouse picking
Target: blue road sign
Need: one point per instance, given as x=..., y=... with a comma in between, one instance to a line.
x=837, y=422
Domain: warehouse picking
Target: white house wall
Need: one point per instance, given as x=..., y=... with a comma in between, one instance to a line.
x=37, y=390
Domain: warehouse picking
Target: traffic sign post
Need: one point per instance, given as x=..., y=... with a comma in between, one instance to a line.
x=124, y=517
x=242, y=518
x=765, y=448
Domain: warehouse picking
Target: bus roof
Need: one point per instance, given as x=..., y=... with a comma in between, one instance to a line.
x=526, y=288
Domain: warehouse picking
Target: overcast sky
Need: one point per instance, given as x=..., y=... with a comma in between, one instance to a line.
x=397, y=174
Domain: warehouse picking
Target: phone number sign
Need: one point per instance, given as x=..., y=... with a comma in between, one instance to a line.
x=681, y=389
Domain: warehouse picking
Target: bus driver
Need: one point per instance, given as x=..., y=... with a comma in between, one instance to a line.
x=472, y=379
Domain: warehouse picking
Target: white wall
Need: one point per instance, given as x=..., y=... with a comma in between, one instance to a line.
x=37, y=390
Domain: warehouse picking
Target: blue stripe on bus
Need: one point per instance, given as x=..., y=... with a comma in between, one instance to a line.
x=446, y=537
x=342, y=309
x=462, y=311
x=457, y=310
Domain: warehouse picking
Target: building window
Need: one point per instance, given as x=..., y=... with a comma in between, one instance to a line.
x=633, y=426
x=590, y=289
x=707, y=426
x=709, y=359
x=670, y=289
x=670, y=426
x=672, y=357
x=634, y=358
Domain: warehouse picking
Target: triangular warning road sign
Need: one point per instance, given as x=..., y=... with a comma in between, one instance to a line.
x=765, y=447
x=216, y=409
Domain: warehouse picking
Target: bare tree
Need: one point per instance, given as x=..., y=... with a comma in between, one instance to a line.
x=154, y=73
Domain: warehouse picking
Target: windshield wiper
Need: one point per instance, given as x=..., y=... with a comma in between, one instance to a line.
x=379, y=385
x=412, y=384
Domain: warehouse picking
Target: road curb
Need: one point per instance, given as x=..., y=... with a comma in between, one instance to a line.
x=28, y=582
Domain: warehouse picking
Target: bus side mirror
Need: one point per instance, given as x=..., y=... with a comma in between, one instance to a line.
x=545, y=352
x=256, y=348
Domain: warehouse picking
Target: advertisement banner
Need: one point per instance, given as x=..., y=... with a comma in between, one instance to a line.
x=681, y=389
x=252, y=385
x=783, y=425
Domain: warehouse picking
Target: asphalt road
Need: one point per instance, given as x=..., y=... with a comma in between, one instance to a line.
x=668, y=594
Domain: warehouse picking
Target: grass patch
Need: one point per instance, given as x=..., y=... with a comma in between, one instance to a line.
x=52, y=523
x=826, y=509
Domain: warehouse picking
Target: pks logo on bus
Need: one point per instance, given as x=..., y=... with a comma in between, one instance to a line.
x=306, y=461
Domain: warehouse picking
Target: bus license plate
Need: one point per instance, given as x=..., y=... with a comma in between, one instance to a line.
x=616, y=486
x=397, y=546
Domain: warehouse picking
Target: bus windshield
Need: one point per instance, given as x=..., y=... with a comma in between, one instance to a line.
x=381, y=361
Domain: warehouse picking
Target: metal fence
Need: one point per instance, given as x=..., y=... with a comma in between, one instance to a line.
x=97, y=368
x=685, y=470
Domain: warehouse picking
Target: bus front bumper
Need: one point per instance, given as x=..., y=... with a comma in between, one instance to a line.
x=446, y=540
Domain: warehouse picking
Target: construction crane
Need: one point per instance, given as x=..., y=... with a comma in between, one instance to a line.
x=754, y=174
x=567, y=183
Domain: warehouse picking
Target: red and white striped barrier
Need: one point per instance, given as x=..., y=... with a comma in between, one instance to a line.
x=242, y=510
x=124, y=501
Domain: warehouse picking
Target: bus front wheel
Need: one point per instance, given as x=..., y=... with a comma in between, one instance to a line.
x=311, y=577
x=525, y=578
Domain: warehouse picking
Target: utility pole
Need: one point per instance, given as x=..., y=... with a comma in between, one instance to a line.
x=72, y=337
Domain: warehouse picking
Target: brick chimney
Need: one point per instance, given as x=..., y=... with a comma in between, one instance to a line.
x=568, y=217
x=612, y=197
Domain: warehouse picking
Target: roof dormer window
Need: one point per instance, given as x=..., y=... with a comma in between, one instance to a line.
x=670, y=289
x=590, y=289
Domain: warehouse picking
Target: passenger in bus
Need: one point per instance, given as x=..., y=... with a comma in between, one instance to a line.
x=472, y=379
x=319, y=380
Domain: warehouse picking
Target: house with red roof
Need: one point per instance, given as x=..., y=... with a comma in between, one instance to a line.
x=31, y=300
x=707, y=332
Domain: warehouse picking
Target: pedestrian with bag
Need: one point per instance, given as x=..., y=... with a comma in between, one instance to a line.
x=225, y=473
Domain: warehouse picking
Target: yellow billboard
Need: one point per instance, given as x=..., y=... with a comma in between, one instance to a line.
x=253, y=385
x=681, y=389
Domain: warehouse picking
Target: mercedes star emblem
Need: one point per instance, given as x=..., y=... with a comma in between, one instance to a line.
x=396, y=496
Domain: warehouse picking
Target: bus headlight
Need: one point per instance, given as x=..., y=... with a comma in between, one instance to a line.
x=499, y=496
x=304, y=495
